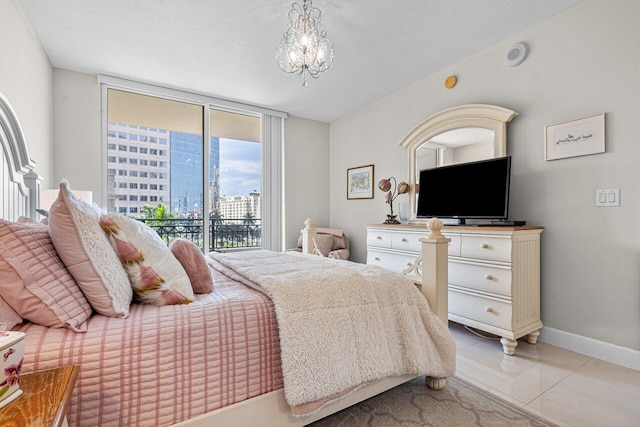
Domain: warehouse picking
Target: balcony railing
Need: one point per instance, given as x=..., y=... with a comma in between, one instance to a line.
x=224, y=233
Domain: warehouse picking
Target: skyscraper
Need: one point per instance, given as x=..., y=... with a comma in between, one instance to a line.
x=148, y=166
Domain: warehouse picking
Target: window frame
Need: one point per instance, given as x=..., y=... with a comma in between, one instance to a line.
x=272, y=146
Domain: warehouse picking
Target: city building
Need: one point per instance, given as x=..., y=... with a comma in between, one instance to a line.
x=138, y=167
x=238, y=207
x=148, y=166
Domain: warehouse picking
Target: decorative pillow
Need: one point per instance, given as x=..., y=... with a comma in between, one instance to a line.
x=192, y=260
x=74, y=226
x=155, y=274
x=8, y=316
x=35, y=282
x=324, y=242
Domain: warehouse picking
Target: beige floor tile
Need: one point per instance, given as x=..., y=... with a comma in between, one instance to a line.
x=463, y=337
x=579, y=402
x=491, y=390
x=526, y=375
x=614, y=377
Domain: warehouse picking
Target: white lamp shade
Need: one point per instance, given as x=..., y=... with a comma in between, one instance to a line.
x=47, y=197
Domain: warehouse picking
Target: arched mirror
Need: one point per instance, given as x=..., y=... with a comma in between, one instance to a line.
x=459, y=134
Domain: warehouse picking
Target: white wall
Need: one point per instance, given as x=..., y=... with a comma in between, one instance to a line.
x=78, y=151
x=25, y=79
x=306, y=180
x=76, y=133
x=581, y=62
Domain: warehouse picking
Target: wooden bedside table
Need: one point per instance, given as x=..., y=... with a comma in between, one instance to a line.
x=45, y=398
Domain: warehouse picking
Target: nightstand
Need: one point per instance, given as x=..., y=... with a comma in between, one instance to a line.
x=45, y=398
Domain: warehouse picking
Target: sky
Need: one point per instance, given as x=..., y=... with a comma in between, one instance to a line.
x=240, y=167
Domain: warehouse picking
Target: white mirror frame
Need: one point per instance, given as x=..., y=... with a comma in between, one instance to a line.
x=471, y=115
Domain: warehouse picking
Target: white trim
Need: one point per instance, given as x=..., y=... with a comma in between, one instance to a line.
x=206, y=178
x=608, y=352
x=272, y=183
x=184, y=96
x=104, y=141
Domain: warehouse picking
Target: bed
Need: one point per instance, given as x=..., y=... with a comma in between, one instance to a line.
x=220, y=359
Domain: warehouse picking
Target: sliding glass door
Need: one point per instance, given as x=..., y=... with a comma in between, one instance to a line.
x=160, y=171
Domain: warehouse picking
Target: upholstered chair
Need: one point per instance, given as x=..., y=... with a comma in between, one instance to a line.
x=331, y=242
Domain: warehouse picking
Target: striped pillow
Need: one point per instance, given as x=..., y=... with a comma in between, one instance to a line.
x=35, y=282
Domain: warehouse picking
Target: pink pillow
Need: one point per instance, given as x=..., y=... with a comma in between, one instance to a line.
x=84, y=248
x=154, y=272
x=192, y=259
x=35, y=282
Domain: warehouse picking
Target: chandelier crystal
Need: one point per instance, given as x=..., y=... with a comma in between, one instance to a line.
x=304, y=48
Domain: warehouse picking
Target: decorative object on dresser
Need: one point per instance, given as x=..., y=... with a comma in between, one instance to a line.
x=360, y=182
x=578, y=137
x=393, y=191
x=494, y=274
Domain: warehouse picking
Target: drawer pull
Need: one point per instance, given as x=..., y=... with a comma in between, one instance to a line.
x=377, y=259
x=488, y=309
x=488, y=277
x=408, y=264
x=379, y=237
x=404, y=239
x=484, y=246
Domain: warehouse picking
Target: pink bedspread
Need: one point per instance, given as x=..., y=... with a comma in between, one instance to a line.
x=163, y=365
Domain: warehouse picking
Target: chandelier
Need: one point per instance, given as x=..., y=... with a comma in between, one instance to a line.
x=304, y=48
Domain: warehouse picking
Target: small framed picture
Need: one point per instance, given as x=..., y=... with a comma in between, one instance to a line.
x=360, y=182
x=578, y=137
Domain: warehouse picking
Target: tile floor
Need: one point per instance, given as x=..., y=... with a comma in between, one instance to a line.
x=564, y=387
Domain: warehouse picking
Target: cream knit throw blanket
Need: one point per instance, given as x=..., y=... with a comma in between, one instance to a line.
x=342, y=324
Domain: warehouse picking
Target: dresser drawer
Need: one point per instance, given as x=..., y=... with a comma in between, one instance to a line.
x=408, y=241
x=495, y=248
x=481, y=309
x=454, y=244
x=380, y=239
x=483, y=277
x=389, y=261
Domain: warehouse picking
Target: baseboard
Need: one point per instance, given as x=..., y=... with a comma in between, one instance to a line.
x=612, y=353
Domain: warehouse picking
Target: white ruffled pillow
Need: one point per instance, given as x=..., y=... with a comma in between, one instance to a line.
x=74, y=227
x=156, y=275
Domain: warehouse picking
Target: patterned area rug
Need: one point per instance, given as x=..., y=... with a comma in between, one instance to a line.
x=413, y=404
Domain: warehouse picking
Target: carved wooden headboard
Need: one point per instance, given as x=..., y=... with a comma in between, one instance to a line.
x=19, y=184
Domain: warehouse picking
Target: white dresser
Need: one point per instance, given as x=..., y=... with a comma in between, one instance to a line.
x=494, y=274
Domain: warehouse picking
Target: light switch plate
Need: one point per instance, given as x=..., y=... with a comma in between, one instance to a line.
x=608, y=197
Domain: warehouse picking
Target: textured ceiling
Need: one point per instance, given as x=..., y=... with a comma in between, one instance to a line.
x=225, y=48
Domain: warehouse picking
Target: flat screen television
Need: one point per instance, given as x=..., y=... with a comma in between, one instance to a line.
x=475, y=190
